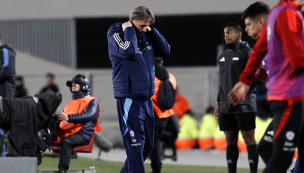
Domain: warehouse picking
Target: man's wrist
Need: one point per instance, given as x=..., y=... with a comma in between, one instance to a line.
x=217, y=103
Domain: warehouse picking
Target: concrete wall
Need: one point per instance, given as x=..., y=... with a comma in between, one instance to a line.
x=30, y=9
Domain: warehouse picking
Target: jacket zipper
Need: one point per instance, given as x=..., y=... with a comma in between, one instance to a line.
x=148, y=66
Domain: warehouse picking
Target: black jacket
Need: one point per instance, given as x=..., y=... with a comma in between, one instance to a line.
x=23, y=118
x=162, y=74
x=7, y=71
x=231, y=64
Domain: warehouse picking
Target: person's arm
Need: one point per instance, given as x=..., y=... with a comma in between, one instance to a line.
x=259, y=50
x=125, y=47
x=7, y=67
x=160, y=44
x=289, y=29
x=90, y=114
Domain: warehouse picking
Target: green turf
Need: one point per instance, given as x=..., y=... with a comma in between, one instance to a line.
x=51, y=164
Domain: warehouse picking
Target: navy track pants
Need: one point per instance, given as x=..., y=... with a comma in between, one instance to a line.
x=136, y=121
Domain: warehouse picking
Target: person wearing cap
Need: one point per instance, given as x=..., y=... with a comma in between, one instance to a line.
x=78, y=121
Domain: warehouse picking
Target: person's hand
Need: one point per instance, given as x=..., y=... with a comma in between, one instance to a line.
x=238, y=93
x=62, y=116
x=217, y=111
x=126, y=24
x=148, y=29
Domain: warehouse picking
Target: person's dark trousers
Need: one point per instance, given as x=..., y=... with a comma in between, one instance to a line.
x=155, y=154
x=287, y=122
x=136, y=120
x=232, y=155
x=66, y=146
x=266, y=144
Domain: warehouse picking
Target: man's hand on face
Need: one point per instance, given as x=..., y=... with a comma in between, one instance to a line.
x=148, y=29
x=126, y=24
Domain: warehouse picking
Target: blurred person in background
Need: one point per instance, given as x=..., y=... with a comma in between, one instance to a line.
x=169, y=137
x=181, y=105
x=255, y=18
x=78, y=121
x=132, y=47
x=208, y=126
x=7, y=70
x=161, y=115
x=241, y=117
x=280, y=46
x=20, y=89
x=50, y=85
x=188, y=132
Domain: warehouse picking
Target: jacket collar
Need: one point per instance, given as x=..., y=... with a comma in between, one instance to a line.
x=236, y=46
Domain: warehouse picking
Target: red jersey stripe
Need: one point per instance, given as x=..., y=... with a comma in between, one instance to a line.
x=284, y=118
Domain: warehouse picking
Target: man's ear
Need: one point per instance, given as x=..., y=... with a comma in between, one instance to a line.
x=132, y=21
x=261, y=21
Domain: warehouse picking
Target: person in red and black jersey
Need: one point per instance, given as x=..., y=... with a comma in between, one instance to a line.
x=280, y=45
x=255, y=17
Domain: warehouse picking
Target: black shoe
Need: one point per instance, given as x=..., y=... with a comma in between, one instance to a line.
x=62, y=170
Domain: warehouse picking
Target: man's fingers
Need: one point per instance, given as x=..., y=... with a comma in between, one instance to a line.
x=126, y=24
x=243, y=97
x=233, y=98
x=148, y=28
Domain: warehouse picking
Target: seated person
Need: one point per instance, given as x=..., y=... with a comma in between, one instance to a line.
x=181, y=105
x=209, y=125
x=188, y=135
x=79, y=120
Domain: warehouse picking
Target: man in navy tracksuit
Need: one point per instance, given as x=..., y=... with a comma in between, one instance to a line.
x=132, y=47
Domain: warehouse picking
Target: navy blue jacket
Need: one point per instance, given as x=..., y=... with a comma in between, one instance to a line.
x=7, y=71
x=132, y=60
